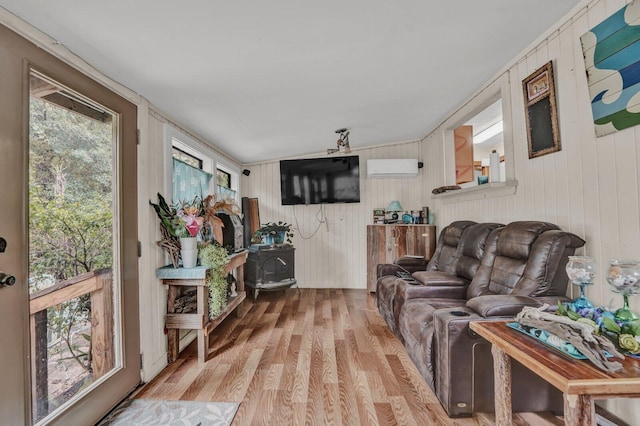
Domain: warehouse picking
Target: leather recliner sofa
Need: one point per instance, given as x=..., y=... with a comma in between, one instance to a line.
x=453, y=283
x=522, y=265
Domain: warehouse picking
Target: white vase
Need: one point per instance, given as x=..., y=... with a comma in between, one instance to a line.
x=188, y=243
x=189, y=258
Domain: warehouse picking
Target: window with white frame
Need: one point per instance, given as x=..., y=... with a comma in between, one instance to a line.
x=488, y=112
x=195, y=170
x=477, y=142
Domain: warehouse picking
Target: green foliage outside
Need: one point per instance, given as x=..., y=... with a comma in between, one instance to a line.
x=70, y=211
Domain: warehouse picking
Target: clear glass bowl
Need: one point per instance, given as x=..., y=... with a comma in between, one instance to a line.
x=581, y=271
x=624, y=278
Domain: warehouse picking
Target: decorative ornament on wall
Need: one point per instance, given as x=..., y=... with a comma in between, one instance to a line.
x=612, y=59
x=543, y=135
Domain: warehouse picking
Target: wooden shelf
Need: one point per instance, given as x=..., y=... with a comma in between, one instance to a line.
x=177, y=280
x=192, y=321
x=232, y=304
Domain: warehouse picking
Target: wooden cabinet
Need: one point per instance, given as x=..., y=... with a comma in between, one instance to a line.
x=386, y=243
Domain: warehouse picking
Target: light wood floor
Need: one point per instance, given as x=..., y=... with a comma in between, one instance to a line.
x=323, y=358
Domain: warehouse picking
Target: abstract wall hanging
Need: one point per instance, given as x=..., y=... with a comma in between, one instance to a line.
x=539, y=92
x=612, y=59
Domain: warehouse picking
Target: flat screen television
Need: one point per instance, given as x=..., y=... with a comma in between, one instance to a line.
x=320, y=180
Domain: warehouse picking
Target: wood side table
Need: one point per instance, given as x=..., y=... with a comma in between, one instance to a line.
x=177, y=280
x=580, y=381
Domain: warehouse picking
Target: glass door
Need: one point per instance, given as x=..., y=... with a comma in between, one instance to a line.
x=74, y=285
x=74, y=255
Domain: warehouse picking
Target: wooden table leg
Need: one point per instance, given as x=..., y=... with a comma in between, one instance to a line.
x=173, y=335
x=203, y=310
x=173, y=345
x=579, y=410
x=502, y=385
x=203, y=346
x=240, y=287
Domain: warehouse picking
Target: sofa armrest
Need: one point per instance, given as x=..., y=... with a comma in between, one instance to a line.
x=384, y=269
x=412, y=263
x=464, y=370
x=501, y=305
x=439, y=279
x=420, y=291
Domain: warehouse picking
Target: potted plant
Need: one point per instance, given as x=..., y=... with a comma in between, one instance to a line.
x=180, y=225
x=274, y=233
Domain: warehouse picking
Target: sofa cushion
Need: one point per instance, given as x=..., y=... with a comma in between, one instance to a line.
x=445, y=254
x=500, y=305
x=471, y=250
x=528, y=260
x=518, y=238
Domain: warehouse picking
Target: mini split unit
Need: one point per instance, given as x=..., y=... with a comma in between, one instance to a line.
x=393, y=168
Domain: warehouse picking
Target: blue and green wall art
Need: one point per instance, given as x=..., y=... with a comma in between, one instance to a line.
x=612, y=58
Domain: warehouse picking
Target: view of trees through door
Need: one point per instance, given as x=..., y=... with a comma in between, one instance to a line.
x=71, y=244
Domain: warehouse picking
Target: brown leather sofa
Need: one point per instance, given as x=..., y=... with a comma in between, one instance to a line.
x=522, y=265
x=454, y=282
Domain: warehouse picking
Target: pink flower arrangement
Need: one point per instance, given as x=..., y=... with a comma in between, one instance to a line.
x=190, y=216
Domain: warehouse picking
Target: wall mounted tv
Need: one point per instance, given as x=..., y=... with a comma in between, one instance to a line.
x=320, y=180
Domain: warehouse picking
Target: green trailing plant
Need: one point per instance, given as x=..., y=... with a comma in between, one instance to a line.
x=214, y=257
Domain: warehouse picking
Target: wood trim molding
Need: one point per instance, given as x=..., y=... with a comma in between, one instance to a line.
x=489, y=190
x=60, y=51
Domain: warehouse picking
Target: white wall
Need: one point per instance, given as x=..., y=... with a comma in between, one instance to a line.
x=152, y=178
x=336, y=256
x=590, y=187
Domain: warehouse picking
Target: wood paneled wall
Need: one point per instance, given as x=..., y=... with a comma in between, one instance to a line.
x=333, y=254
x=590, y=187
x=153, y=295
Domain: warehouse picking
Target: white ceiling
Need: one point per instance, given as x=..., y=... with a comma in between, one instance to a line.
x=270, y=79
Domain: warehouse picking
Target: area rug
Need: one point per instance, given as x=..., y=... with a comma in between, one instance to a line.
x=149, y=412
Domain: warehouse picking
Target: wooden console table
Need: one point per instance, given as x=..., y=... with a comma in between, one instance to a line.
x=177, y=281
x=580, y=381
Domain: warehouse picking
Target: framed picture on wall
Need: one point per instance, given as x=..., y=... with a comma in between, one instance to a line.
x=610, y=51
x=543, y=136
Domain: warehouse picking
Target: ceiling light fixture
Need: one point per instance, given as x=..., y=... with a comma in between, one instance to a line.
x=343, y=142
x=488, y=133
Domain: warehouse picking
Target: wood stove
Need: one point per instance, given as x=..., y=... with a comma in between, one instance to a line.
x=270, y=268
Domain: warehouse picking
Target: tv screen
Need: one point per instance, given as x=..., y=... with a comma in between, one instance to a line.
x=320, y=180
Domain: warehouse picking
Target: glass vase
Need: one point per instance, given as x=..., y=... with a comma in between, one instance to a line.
x=624, y=278
x=581, y=270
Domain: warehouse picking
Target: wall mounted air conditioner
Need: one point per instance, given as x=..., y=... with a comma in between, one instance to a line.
x=392, y=168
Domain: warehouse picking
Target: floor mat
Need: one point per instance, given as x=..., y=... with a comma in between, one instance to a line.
x=162, y=412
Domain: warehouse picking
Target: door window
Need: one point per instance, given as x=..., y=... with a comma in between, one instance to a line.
x=73, y=266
